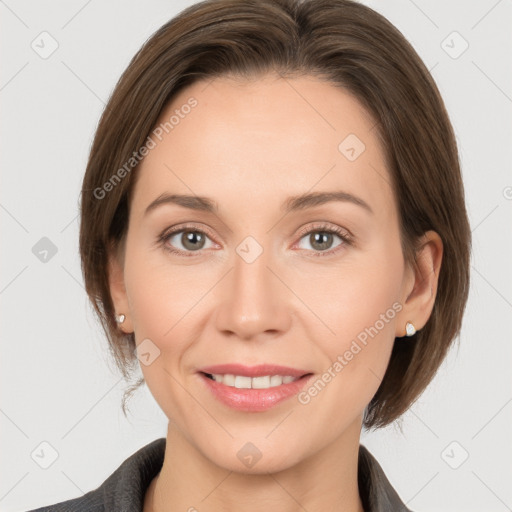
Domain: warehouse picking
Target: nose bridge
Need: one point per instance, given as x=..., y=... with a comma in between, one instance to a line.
x=253, y=302
x=251, y=275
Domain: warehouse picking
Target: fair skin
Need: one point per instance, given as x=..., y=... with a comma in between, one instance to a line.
x=249, y=146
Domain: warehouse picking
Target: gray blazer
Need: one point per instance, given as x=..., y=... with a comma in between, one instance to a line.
x=124, y=490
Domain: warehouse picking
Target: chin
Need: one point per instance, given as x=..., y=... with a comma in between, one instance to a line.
x=255, y=458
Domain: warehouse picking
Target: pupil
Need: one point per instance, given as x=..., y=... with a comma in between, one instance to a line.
x=318, y=237
x=191, y=238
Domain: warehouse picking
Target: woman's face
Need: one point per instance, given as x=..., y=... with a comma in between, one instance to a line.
x=253, y=275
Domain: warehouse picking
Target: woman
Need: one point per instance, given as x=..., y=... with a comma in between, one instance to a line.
x=273, y=228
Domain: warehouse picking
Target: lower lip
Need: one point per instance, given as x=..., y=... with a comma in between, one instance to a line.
x=254, y=400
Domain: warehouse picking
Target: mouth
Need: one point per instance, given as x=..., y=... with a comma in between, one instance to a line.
x=255, y=388
x=245, y=382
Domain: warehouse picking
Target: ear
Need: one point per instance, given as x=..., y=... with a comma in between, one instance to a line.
x=117, y=288
x=421, y=284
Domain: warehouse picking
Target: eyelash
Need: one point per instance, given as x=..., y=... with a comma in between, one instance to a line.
x=346, y=237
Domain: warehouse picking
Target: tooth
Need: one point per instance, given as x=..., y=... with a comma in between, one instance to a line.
x=242, y=382
x=276, y=380
x=261, y=382
x=228, y=379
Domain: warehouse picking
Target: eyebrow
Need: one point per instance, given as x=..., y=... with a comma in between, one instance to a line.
x=294, y=203
x=304, y=201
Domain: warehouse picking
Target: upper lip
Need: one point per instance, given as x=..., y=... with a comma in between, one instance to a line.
x=253, y=371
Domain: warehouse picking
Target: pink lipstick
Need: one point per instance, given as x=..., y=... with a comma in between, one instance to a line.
x=253, y=388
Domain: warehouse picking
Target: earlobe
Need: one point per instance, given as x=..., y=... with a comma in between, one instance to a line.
x=419, y=302
x=118, y=291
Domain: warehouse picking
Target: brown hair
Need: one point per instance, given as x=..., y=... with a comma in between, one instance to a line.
x=352, y=47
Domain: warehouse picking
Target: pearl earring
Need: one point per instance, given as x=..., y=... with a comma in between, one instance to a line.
x=120, y=319
x=410, y=330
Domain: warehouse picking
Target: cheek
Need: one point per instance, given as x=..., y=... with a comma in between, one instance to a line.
x=162, y=300
x=359, y=304
x=361, y=310
x=167, y=304
x=354, y=295
x=161, y=297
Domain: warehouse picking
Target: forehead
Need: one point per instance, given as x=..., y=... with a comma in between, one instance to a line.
x=252, y=142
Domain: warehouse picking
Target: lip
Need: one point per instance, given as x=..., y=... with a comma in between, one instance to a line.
x=253, y=400
x=254, y=371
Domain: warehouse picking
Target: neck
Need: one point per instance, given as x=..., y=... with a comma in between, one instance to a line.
x=188, y=481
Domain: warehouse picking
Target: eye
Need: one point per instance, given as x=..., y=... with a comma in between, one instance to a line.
x=185, y=240
x=322, y=237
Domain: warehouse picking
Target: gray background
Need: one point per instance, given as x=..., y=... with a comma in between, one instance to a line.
x=57, y=384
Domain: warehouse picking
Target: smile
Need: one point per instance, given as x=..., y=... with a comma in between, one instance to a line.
x=244, y=382
x=255, y=388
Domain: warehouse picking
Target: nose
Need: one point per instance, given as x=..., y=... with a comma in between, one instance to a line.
x=254, y=303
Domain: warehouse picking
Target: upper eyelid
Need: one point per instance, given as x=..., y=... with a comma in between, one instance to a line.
x=316, y=226
x=324, y=225
x=179, y=229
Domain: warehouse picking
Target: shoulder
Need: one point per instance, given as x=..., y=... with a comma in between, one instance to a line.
x=90, y=502
x=124, y=489
x=377, y=493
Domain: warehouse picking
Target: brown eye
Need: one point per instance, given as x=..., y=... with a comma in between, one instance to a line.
x=192, y=240
x=321, y=240
x=186, y=240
